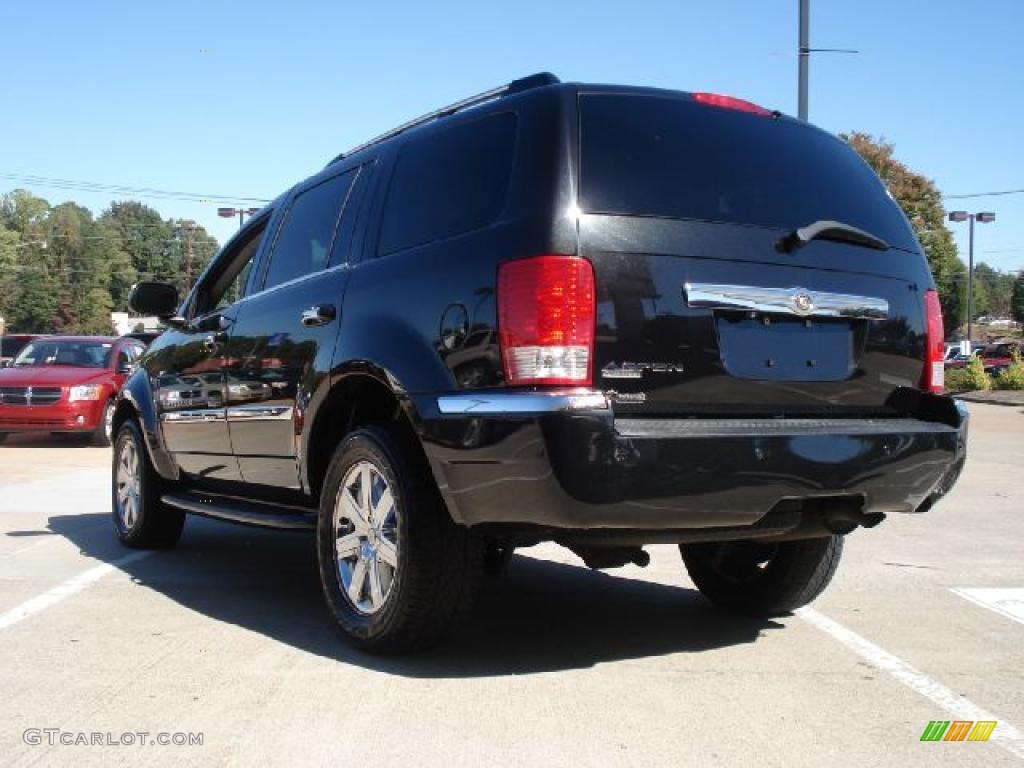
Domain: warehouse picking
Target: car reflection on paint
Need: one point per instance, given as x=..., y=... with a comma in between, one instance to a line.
x=248, y=391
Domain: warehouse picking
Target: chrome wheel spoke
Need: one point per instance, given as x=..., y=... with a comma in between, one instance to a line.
x=376, y=592
x=355, y=587
x=348, y=545
x=387, y=552
x=350, y=510
x=383, y=508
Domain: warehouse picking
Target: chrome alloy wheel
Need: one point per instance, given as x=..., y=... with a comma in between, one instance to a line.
x=129, y=484
x=366, y=537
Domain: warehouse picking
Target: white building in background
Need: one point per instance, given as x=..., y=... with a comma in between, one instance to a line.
x=124, y=322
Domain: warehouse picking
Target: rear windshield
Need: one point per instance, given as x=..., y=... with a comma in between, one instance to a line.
x=662, y=156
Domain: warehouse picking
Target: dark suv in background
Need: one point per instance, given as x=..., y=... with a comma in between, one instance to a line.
x=602, y=316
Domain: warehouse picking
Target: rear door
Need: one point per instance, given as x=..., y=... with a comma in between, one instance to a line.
x=283, y=337
x=700, y=309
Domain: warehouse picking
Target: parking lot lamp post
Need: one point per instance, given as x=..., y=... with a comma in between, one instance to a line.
x=985, y=217
x=227, y=213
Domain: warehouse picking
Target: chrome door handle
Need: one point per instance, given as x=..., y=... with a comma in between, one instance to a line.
x=321, y=314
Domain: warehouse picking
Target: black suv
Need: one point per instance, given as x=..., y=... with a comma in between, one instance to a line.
x=601, y=316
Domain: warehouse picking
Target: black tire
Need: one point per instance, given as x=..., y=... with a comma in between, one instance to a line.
x=151, y=524
x=102, y=435
x=3, y=436
x=760, y=578
x=439, y=563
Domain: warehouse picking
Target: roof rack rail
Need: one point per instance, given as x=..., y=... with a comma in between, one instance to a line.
x=516, y=86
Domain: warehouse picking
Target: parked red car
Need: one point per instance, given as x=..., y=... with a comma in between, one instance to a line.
x=65, y=384
x=996, y=357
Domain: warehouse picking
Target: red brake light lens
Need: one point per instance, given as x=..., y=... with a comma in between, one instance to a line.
x=933, y=379
x=546, y=320
x=730, y=102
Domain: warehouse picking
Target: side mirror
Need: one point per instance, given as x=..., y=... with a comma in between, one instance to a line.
x=151, y=298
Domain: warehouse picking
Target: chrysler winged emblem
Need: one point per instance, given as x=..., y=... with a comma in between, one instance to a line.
x=803, y=304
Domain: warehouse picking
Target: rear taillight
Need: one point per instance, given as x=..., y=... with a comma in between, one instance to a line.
x=546, y=320
x=730, y=102
x=933, y=378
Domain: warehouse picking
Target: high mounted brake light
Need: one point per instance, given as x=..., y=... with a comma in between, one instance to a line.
x=933, y=378
x=730, y=102
x=546, y=320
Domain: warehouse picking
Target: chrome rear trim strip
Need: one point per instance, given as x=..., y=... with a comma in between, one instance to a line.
x=498, y=403
x=800, y=302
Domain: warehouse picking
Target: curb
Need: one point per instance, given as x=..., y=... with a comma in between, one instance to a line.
x=986, y=399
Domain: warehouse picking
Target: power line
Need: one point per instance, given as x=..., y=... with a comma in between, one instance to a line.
x=986, y=194
x=121, y=189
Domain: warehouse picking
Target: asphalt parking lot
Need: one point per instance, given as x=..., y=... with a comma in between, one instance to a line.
x=227, y=636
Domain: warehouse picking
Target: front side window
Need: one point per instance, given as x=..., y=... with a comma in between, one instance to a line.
x=225, y=284
x=304, y=242
x=449, y=183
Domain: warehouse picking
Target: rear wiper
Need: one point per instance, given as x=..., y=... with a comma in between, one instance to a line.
x=830, y=230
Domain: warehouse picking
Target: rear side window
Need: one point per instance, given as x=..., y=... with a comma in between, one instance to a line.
x=448, y=183
x=304, y=241
x=659, y=156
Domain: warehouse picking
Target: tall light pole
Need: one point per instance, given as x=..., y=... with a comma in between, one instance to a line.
x=985, y=217
x=803, y=56
x=227, y=213
x=804, y=52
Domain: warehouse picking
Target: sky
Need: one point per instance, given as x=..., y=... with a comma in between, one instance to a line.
x=244, y=99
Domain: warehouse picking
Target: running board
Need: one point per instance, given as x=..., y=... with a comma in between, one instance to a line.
x=233, y=509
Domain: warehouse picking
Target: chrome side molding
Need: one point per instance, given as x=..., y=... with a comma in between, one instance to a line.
x=260, y=412
x=800, y=302
x=236, y=412
x=498, y=403
x=193, y=417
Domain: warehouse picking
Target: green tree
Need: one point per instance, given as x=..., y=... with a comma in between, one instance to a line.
x=921, y=201
x=62, y=269
x=997, y=289
x=145, y=237
x=8, y=270
x=23, y=212
x=1017, y=301
x=30, y=296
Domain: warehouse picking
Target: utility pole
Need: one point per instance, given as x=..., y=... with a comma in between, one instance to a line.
x=188, y=256
x=803, y=58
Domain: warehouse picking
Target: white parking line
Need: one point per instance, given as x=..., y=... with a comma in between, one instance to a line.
x=1007, y=601
x=1005, y=734
x=64, y=590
